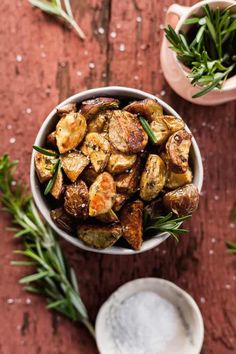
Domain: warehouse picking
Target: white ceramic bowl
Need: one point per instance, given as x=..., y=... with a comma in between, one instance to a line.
x=48, y=126
x=188, y=321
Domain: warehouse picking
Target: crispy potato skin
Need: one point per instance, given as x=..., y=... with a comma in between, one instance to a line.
x=70, y=131
x=99, y=236
x=147, y=108
x=89, y=175
x=57, y=188
x=120, y=200
x=108, y=218
x=164, y=126
x=76, y=200
x=73, y=163
x=97, y=148
x=153, y=178
x=176, y=180
x=100, y=122
x=62, y=220
x=132, y=222
x=51, y=139
x=91, y=108
x=119, y=162
x=68, y=108
x=177, y=149
x=173, y=124
x=101, y=194
x=43, y=166
x=182, y=201
x=126, y=133
x=128, y=182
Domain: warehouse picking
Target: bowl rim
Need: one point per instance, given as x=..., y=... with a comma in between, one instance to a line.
x=79, y=97
x=148, y=284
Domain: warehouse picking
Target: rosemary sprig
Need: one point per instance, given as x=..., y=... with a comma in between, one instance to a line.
x=56, y=8
x=45, y=151
x=148, y=129
x=53, y=278
x=231, y=247
x=166, y=223
x=208, y=49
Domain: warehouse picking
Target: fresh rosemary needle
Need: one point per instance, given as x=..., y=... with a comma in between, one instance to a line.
x=53, y=277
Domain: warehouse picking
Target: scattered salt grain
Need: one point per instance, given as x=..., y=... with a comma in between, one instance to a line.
x=202, y=300
x=227, y=286
x=136, y=78
x=204, y=124
x=139, y=19
x=19, y=58
x=12, y=140
x=85, y=52
x=91, y=66
x=79, y=73
x=162, y=93
x=163, y=251
x=43, y=55
x=118, y=25
x=28, y=110
x=10, y=301
x=232, y=225
x=162, y=26
x=13, y=183
x=28, y=301
x=213, y=240
x=113, y=34
x=9, y=126
x=83, y=205
x=122, y=47
x=216, y=197
x=211, y=252
x=101, y=30
x=145, y=323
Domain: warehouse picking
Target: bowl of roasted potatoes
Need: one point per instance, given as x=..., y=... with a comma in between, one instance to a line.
x=116, y=170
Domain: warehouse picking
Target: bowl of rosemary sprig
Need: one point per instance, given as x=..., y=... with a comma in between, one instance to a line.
x=198, y=54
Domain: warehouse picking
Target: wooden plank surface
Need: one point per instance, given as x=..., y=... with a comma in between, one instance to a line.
x=41, y=63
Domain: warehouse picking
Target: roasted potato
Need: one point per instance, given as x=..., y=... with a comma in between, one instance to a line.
x=51, y=139
x=76, y=200
x=153, y=178
x=70, y=131
x=91, y=108
x=44, y=166
x=126, y=133
x=174, y=124
x=89, y=175
x=63, y=220
x=177, y=149
x=119, y=162
x=160, y=130
x=68, y=108
x=108, y=218
x=128, y=182
x=182, y=201
x=148, y=108
x=101, y=194
x=73, y=163
x=97, y=148
x=131, y=218
x=57, y=188
x=100, y=122
x=99, y=236
x=120, y=200
x=176, y=180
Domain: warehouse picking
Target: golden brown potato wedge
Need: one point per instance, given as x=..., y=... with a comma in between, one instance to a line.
x=173, y=124
x=76, y=200
x=119, y=162
x=97, y=148
x=51, y=139
x=89, y=175
x=160, y=130
x=148, y=108
x=68, y=108
x=70, y=131
x=91, y=108
x=153, y=178
x=99, y=236
x=128, y=182
x=132, y=222
x=73, y=163
x=108, y=218
x=62, y=219
x=101, y=194
x=100, y=122
x=177, y=149
x=126, y=133
x=44, y=166
x=120, y=200
x=57, y=188
x=176, y=180
x=182, y=201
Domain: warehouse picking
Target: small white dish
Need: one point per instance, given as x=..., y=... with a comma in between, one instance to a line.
x=188, y=322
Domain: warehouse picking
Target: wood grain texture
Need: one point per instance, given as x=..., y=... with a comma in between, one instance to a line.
x=41, y=64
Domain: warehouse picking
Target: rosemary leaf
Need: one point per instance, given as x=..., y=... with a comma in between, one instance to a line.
x=45, y=151
x=148, y=129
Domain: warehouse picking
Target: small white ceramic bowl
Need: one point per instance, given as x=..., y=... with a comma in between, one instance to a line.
x=189, y=323
x=48, y=126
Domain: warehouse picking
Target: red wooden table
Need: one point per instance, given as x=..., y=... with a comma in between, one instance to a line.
x=41, y=64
